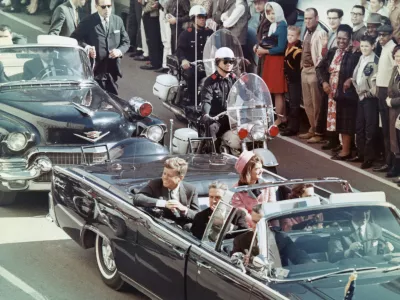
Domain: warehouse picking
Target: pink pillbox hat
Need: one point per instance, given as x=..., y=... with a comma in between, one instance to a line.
x=243, y=160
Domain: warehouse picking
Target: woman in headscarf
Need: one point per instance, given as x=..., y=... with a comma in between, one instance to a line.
x=249, y=166
x=272, y=45
x=335, y=72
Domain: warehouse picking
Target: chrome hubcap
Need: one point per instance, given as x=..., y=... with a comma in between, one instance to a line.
x=108, y=257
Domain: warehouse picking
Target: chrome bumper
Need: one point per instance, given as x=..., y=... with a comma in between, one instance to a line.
x=15, y=174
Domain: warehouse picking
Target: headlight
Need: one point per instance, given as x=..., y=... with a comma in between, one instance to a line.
x=155, y=133
x=258, y=132
x=16, y=141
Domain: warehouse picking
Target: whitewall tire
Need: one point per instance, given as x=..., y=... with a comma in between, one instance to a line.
x=106, y=263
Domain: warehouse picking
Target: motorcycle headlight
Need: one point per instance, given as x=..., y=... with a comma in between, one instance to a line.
x=257, y=132
x=155, y=133
x=16, y=141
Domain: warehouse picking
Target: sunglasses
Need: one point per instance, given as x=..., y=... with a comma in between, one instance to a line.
x=201, y=16
x=228, y=61
x=105, y=6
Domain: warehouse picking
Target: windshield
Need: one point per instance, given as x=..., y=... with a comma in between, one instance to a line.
x=29, y=64
x=322, y=241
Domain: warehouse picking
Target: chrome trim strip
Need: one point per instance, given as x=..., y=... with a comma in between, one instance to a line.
x=91, y=140
x=149, y=219
x=139, y=287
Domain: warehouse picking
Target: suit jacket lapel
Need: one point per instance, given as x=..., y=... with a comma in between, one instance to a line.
x=182, y=195
x=164, y=192
x=71, y=11
x=99, y=23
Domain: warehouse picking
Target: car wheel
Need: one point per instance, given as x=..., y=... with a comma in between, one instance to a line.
x=106, y=264
x=7, y=198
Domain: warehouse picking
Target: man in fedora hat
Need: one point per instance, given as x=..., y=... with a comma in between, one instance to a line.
x=373, y=23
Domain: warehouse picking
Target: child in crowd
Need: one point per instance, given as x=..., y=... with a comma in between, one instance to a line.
x=293, y=77
x=364, y=80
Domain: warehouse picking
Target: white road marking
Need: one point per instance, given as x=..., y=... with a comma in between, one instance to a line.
x=345, y=164
x=13, y=17
x=14, y=280
x=29, y=229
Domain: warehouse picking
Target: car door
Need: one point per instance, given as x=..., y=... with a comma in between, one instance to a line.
x=216, y=277
x=156, y=258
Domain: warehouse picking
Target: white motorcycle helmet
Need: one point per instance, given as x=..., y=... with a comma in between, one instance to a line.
x=224, y=52
x=197, y=10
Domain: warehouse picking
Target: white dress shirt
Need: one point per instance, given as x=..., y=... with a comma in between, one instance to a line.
x=103, y=22
x=175, y=193
x=46, y=65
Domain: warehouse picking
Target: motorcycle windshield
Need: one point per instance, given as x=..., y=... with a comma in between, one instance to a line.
x=249, y=103
x=222, y=38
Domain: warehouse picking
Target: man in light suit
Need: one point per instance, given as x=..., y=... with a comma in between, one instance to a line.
x=177, y=198
x=103, y=34
x=365, y=239
x=45, y=65
x=66, y=18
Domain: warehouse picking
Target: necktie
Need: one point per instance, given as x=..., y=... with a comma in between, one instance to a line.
x=105, y=25
x=53, y=70
x=360, y=233
x=76, y=17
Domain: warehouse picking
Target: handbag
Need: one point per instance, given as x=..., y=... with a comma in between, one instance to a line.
x=269, y=42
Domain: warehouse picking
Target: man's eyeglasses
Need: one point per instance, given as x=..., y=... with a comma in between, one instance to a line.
x=383, y=34
x=228, y=61
x=356, y=14
x=105, y=6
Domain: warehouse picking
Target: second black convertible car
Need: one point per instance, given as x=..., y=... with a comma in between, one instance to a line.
x=51, y=106
x=305, y=257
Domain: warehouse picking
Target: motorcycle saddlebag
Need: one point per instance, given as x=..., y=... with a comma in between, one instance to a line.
x=166, y=87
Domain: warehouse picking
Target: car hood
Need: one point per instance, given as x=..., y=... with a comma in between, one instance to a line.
x=65, y=115
x=368, y=286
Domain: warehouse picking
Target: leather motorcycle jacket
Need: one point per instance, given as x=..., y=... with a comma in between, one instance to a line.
x=215, y=92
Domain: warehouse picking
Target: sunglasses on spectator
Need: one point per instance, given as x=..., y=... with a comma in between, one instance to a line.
x=105, y=6
x=228, y=61
x=201, y=16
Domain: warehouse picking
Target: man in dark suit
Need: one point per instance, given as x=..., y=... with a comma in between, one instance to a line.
x=46, y=65
x=216, y=192
x=177, y=198
x=66, y=18
x=104, y=36
x=285, y=246
x=365, y=239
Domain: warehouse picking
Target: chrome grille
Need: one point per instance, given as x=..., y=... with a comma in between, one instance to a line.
x=70, y=159
x=12, y=163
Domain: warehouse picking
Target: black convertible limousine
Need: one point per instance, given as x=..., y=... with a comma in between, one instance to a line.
x=137, y=246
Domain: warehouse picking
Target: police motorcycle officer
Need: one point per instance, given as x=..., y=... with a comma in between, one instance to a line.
x=179, y=89
x=214, y=95
x=190, y=59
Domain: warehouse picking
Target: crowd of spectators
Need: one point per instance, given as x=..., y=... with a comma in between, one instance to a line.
x=348, y=78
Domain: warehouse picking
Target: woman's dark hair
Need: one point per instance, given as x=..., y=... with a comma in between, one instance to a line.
x=346, y=28
x=397, y=48
x=369, y=39
x=299, y=189
x=245, y=176
x=336, y=10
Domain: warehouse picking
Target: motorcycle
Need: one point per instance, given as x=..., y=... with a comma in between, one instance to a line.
x=172, y=89
x=251, y=118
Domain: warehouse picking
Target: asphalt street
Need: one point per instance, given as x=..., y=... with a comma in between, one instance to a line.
x=38, y=261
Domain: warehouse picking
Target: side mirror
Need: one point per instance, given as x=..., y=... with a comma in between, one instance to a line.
x=259, y=262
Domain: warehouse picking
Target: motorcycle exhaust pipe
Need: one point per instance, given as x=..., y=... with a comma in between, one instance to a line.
x=175, y=110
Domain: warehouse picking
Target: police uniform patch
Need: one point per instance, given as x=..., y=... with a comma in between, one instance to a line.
x=213, y=76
